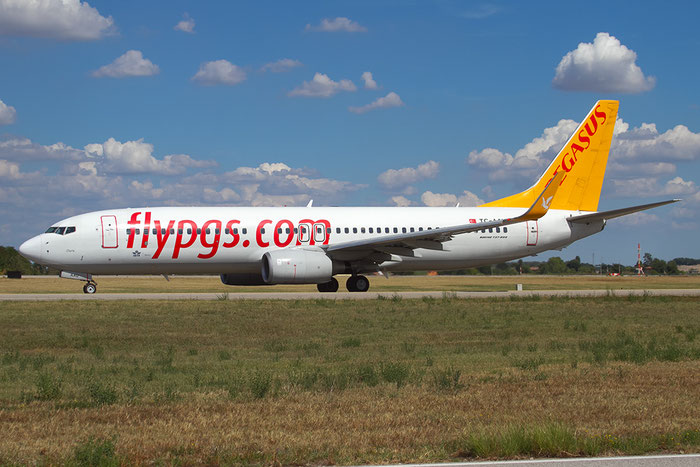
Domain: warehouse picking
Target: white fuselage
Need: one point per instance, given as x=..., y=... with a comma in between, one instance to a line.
x=172, y=240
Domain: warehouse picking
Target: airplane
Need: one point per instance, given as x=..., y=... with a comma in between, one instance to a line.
x=310, y=245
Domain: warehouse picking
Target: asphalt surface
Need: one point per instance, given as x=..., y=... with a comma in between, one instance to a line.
x=671, y=460
x=349, y=295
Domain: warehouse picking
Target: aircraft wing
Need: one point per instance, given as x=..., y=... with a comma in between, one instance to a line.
x=433, y=239
x=605, y=215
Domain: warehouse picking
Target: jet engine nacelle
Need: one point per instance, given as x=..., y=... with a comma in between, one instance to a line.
x=242, y=279
x=296, y=266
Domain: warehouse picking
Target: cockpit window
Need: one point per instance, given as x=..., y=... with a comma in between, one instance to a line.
x=60, y=230
x=70, y=230
x=51, y=229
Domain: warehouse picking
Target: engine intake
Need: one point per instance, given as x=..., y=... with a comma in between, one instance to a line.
x=296, y=266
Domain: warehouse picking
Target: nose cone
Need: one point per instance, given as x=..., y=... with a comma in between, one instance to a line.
x=31, y=249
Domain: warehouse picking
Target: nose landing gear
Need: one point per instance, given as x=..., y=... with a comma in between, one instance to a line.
x=90, y=288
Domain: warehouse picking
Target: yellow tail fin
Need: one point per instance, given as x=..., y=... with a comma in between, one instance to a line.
x=582, y=159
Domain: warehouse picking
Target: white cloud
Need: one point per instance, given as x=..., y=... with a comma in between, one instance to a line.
x=55, y=19
x=339, y=24
x=8, y=169
x=603, y=66
x=322, y=86
x=281, y=66
x=529, y=162
x=401, y=201
x=393, y=178
x=131, y=63
x=370, y=83
x=219, y=72
x=646, y=143
x=642, y=187
x=7, y=114
x=390, y=100
x=186, y=25
x=467, y=198
x=134, y=157
x=22, y=149
x=481, y=12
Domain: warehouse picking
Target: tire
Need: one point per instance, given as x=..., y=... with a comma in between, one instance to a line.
x=330, y=286
x=90, y=288
x=361, y=284
x=350, y=284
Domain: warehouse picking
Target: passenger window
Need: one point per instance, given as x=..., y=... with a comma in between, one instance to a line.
x=386, y=229
x=155, y=231
x=505, y=229
x=347, y=230
x=262, y=231
x=162, y=231
x=328, y=230
x=412, y=229
x=396, y=230
x=70, y=230
x=490, y=230
x=138, y=231
x=420, y=229
x=362, y=230
x=199, y=230
x=245, y=230
x=279, y=230
x=296, y=230
x=226, y=231
x=430, y=228
x=403, y=229
x=172, y=231
x=337, y=230
x=498, y=230
x=371, y=230
x=208, y=231
x=128, y=231
x=354, y=230
x=286, y=230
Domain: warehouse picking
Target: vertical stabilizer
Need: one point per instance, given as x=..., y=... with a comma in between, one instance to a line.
x=583, y=160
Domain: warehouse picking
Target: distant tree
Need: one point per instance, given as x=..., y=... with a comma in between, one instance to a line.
x=555, y=265
x=686, y=261
x=574, y=264
x=647, y=259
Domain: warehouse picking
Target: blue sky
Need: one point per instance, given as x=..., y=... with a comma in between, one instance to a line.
x=130, y=103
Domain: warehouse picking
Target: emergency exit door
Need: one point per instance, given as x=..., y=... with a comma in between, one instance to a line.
x=109, y=232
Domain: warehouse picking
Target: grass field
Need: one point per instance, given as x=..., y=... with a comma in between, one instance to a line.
x=113, y=284
x=308, y=382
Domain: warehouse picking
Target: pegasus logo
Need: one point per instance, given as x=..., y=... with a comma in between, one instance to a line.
x=545, y=202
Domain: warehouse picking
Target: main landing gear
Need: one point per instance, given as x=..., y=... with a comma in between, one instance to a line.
x=90, y=288
x=357, y=284
x=354, y=284
x=330, y=286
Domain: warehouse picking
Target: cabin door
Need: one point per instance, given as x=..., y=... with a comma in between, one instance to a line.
x=109, y=231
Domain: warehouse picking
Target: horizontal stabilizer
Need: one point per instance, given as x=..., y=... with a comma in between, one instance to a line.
x=605, y=215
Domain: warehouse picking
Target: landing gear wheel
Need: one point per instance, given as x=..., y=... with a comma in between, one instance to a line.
x=330, y=286
x=357, y=284
x=90, y=288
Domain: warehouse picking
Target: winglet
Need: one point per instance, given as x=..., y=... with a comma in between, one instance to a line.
x=544, y=201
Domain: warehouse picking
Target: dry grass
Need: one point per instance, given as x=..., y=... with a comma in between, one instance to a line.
x=122, y=284
x=349, y=382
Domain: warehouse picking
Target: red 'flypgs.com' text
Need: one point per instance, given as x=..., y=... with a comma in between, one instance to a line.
x=214, y=234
